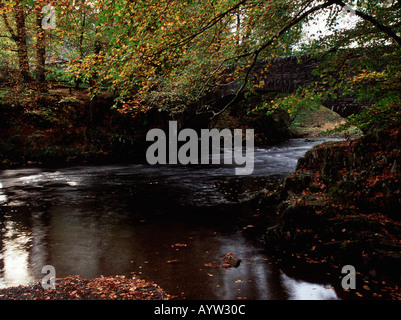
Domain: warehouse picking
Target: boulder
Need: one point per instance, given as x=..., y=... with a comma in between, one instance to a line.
x=231, y=260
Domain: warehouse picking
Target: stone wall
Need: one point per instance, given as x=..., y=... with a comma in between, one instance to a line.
x=286, y=74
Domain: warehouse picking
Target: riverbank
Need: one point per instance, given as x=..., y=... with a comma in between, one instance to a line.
x=342, y=207
x=78, y=288
x=64, y=127
x=317, y=122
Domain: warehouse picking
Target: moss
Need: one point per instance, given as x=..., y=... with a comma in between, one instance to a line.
x=343, y=191
x=72, y=100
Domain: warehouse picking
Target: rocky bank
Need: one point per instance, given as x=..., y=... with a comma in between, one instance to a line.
x=342, y=206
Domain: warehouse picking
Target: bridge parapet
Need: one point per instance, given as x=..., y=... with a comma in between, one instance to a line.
x=287, y=74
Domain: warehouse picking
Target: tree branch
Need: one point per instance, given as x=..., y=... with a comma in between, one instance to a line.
x=208, y=25
x=387, y=30
x=8, y=26
x=298, y=18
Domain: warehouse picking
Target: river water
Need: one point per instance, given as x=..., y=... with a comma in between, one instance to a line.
x=166, y=224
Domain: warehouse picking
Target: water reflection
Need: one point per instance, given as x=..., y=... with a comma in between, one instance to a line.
x=15, y=254
x=90, y=245
x=112, y=220
x=3, y=195
x=302, y=290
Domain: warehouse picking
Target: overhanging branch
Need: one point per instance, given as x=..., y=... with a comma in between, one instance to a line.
x=387, y=30
x=206, y=27
x=298, y=18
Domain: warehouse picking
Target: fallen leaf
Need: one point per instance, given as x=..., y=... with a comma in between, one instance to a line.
x=180, y=245
x=172, y=261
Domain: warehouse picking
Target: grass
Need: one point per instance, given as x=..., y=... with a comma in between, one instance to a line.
x=313, y=123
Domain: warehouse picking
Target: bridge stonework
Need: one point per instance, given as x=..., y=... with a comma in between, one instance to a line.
x=286, y=74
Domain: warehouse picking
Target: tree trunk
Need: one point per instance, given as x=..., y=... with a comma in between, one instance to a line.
x=238, y=26
x=20, y=39
x=92, y=81
x=81, y=47
x=40, y=53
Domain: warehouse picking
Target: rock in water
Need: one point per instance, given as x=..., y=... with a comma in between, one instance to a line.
x=231, y=260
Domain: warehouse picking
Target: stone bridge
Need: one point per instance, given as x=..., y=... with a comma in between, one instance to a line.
x=286, y=74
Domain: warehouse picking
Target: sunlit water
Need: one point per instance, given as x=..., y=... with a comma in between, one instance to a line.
x=165, y=223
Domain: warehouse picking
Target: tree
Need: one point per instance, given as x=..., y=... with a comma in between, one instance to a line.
x=77, y=37
x=15, y=10
x=183, y=53
x=361, y=61
x=168, y=54
x=23, y=24
x=40, y=49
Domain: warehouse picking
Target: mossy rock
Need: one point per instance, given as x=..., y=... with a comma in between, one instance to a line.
x=333, y=162
x=297, y=181
x=343, y=191
x=301, y=216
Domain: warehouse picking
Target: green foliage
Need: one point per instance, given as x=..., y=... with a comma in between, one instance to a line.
x=186, y=50
x=362, y=61
x=169, y=55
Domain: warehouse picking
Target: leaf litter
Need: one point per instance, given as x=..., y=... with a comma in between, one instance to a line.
x=118, y=287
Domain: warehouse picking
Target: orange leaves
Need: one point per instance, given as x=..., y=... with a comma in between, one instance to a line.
x=179, y=245
x=372, y=181
x=173, y=261
x=133, y=107
x=102, y=288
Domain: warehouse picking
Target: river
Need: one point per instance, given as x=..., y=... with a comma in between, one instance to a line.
x=166, y=224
